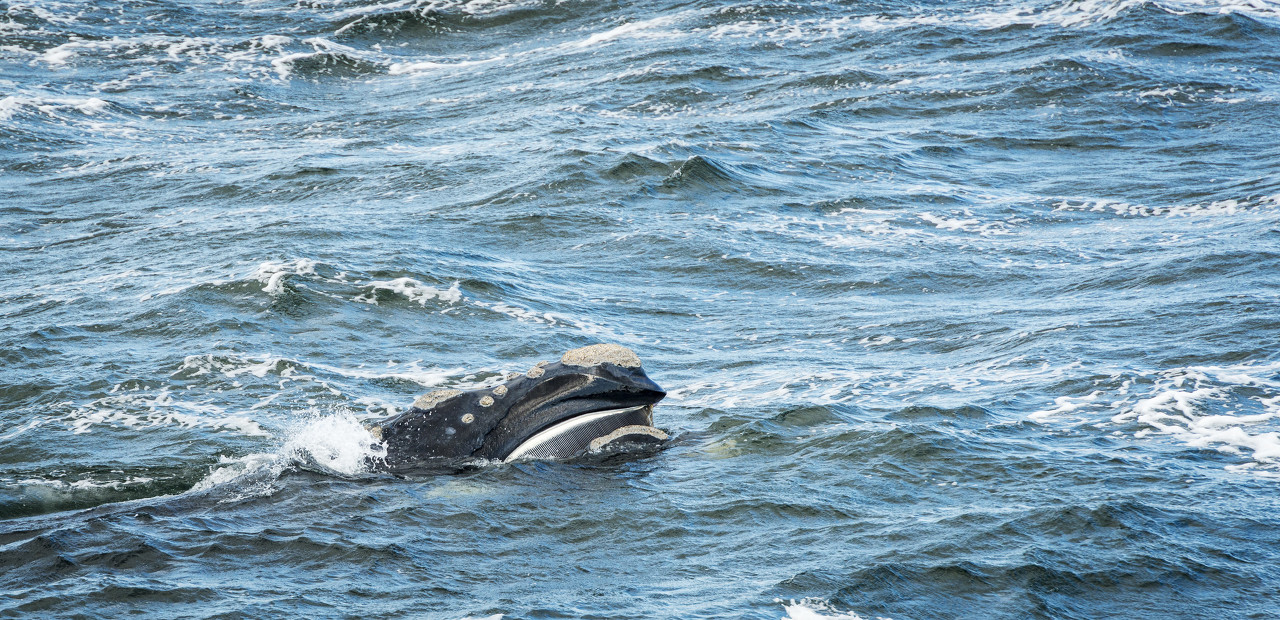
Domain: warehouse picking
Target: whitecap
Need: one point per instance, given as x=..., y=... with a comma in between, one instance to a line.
x=647, y=28
x=413, y=290
x=272, y=274
x=817, y=609
x=1234, y=409
x=147, y=408
x=336, y=444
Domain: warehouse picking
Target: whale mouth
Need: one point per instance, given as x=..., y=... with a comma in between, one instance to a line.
x=590, y=432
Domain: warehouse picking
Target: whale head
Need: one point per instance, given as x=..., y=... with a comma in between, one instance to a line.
x=593, y=397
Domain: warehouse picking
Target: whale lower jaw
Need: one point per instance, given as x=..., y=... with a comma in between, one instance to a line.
x=590, y=432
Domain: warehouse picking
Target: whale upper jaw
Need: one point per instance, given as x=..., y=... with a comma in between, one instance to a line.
x=587, y=402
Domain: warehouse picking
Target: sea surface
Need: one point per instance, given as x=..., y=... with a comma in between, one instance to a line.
x=965, y=309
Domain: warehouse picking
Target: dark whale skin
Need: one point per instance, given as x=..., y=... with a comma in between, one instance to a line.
x=460, y=428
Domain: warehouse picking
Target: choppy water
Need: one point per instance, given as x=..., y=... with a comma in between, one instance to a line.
x=966, y=309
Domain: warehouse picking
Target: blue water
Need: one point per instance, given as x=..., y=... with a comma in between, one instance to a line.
x=964, y=309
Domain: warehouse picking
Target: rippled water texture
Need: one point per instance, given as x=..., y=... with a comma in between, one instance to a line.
x=965, y=309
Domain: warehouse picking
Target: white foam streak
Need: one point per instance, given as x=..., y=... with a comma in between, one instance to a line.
x=84, y=484
x=637, y=29
x=771, y=387
x=1066, y=404
x=154, y=409
x=1063, y=14
x=818, y=609
x=411, y=372
x=401, y=68
x=1213, y=407
x=552, y=319
x=413, y=290
x=11, y=106
x=1182, y=415
x=1253, y=8
x=22, y=428
x=273, y=274
x=971, y=224
x=287, y=369
x=1203, y=209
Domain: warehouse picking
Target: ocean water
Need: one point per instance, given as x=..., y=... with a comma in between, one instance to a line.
x=965, y=309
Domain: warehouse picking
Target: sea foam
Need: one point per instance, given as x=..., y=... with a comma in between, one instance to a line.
x=818, y=609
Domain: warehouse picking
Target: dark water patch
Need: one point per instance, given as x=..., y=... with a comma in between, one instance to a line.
x=1175, y=273
x=924, y=413
x=43, y=556
x=407, y=23
x=634, y=166
x=803, y=417
x=700, y=173
x=330, y=65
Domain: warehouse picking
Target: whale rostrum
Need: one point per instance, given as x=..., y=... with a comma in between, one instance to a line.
x=594, y=397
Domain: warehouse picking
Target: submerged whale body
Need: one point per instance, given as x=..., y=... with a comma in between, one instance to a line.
x=593, y=398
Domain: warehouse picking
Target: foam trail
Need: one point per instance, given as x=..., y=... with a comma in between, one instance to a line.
x=412, y=290
x=1233, y=409
x=817, y=609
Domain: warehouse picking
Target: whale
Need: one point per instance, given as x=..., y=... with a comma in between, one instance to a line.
x=596, y=399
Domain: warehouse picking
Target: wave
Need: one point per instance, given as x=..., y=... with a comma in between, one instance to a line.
x=1214, y=208
x=1062, y=14
x=328, y=59
x=335, y=444
x=1234, y=409
x=817, y=609
x=326, y=63
x=73, y=485
x=329, y=444
x=701, y=173
x=282, y=369
x=415, y=21
x=53, y=107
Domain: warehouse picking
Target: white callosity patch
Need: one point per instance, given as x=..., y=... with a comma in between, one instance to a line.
x=599, y=354
x=435, y=397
